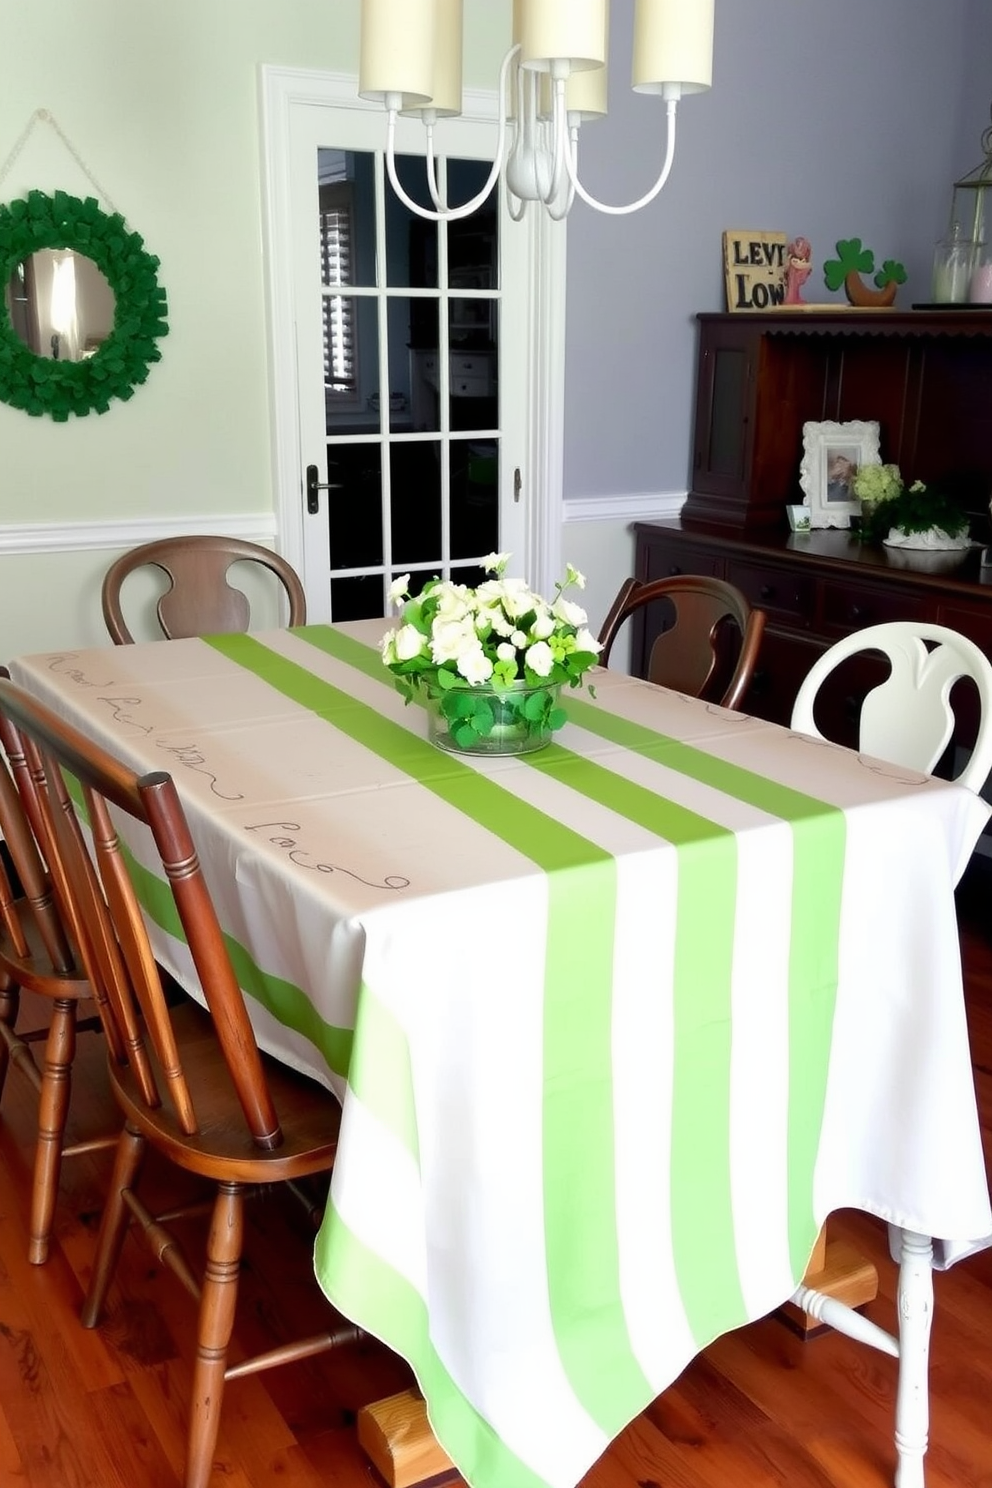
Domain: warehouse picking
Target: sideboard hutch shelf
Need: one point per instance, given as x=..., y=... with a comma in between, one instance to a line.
x=924, y=375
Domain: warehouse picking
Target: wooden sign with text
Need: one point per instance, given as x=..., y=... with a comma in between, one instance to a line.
x=754, y=263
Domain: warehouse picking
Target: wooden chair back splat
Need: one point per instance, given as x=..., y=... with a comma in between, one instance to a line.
x=200, y=600
x=709, y=645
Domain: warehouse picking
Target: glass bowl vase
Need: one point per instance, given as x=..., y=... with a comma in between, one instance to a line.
x=483, y=719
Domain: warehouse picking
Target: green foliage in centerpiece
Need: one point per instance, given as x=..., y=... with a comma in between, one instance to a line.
x=492, y=658
x=887, y=503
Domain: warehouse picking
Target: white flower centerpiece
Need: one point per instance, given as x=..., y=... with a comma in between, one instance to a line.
x=489, y=662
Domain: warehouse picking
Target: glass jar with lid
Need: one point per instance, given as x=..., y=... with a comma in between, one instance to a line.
x=955, y=259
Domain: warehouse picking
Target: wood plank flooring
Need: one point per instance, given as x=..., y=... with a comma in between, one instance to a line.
x=106, y=1409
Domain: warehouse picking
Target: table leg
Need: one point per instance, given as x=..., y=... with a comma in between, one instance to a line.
x=837, y=1269
x=396, y=1436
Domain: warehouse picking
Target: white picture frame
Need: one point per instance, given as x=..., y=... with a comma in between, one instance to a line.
x=832, y=455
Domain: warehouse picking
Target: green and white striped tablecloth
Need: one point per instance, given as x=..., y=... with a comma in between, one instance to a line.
x=615, y=1025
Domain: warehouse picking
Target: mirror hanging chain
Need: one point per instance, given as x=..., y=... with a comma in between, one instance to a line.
x=45, y=116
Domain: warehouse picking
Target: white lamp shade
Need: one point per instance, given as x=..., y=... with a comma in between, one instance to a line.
x=585, y=94
x=572, y=30
x=673, y=43
x=397, y=50
x=446, y=77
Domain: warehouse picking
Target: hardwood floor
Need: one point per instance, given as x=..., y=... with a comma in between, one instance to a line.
x=106, y=1409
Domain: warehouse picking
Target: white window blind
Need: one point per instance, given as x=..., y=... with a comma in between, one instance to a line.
x=336, y=265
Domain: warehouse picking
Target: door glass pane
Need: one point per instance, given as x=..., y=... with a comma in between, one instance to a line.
x=346, y=192
x=357, y=598
x=352, y=407
x=354, y=507
x=474, y=497
x=472, y=575
x=411, y=241
x=415, y=501
x=473, y=373
x=399, y=357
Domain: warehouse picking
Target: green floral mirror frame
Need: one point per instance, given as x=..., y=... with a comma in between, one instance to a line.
x=41, y=385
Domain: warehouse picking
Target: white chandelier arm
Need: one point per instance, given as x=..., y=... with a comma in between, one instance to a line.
x=558, y=212
x=559, y=145
x=444, y=213
x=431, y=172
x=571, y=161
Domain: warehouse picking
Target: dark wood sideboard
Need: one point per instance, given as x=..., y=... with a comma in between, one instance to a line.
x=926, y=376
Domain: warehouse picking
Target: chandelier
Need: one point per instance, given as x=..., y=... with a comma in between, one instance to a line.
x=551, y=82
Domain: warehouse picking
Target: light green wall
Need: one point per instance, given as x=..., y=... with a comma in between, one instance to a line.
x=160, y=101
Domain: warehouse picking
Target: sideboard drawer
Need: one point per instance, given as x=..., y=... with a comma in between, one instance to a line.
x=667, y=560
x=975, y=623
x=775, y=590
x=846, y=608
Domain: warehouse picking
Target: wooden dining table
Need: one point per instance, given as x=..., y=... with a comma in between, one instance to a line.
x=614, y=1025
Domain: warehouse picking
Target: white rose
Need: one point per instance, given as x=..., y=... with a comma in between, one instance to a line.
x=540, y=658
x=518, y=600
x=572, y=576
x=449, y=638
x=586, y=641
x=452, y=601
x=520, y=640
x=399, y=589
x=474, y=665
x=495, y=618
x=409, y=642
x=572, y=614
x=543, y=626
x=506, y=652
x=495, y=562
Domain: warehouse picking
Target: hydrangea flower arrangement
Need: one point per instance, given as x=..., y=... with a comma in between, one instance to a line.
x=463, y=645
x=887, y=504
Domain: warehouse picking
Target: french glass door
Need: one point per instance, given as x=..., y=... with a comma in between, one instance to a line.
x=410, y=363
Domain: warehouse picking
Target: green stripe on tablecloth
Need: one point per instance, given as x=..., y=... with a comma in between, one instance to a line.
x=362, y=1285
x=702, y=1220
x=579, y=1114
x=287, y=1004
x=819, y=839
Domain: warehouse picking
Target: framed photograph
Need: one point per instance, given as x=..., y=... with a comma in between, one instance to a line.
x=832, y=454
x=798, y=518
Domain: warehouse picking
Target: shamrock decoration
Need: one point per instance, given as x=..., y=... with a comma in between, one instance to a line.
x=852, y=262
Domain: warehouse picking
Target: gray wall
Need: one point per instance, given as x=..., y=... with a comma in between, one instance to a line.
x=830, y=120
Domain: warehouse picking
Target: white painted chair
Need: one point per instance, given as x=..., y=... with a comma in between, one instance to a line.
x=907, y=719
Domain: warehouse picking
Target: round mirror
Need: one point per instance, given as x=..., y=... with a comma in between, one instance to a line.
x=82, y=308
x=60, y=305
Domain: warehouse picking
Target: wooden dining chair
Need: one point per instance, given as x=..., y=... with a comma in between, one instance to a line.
x=908, y=714
x=200, y=599
x=708, y=635
x=39, y=954
x=191, y=1082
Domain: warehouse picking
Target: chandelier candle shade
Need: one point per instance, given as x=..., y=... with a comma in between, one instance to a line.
x=551, y=81
x=489, y=663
